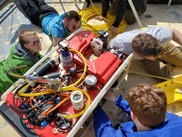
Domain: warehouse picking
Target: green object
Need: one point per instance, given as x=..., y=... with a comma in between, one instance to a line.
x=14, y=60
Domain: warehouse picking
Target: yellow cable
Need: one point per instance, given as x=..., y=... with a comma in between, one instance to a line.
x=97, y=11
x=11, y=73
x=70, y=87
x=20, y=93
x=84, y=71
x=154, y=76
x=24, y=88
x=91, y=12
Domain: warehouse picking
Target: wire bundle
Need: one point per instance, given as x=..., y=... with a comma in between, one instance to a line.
x=91, y=12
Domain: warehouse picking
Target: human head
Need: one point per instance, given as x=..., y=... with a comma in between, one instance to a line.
x=72, y=20
x=148, y=104
x=146, y=46
x=30, y=40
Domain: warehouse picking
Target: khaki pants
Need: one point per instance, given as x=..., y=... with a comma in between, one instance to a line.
x=172, y=55
x=167, y=65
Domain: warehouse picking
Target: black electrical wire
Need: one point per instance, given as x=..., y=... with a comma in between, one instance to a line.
x=25, y=111
x=33, y=109
x=13, y=100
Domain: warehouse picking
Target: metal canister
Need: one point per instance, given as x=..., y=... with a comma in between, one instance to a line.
x=90, y=81
x=66, y=58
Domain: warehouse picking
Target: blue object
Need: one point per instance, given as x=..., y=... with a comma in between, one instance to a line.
x=23, y=105
x=44, y=123
x=65, y=53
x=103, y=126
x=53, y=25
x=58, y=100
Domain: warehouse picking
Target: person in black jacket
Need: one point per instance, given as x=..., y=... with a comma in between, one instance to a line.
x=121, y=8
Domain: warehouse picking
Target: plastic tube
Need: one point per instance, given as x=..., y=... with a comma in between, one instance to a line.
x=154, y=76
x=58, y=105
x=21, y=92
x=10, y=71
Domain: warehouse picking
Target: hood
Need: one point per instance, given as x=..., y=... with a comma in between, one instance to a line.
x=22, y=51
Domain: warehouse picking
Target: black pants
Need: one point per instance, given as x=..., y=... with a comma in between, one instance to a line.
x=35, y=10
x=129, y=15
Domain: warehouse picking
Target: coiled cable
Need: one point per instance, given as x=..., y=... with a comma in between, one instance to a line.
x=91, y=12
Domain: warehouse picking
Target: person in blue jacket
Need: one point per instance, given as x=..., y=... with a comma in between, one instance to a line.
x=146, y=106
x=55, y=25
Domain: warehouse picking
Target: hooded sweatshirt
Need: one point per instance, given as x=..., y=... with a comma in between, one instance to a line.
x=18, y=56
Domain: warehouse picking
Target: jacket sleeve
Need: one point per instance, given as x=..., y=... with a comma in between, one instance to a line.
x=123, y=104
x=102, y=124
x=121, y=7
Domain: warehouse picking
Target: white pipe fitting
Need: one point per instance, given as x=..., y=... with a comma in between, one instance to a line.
x=77, y=100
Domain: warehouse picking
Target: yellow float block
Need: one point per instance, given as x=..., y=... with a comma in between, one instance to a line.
x=173, y=91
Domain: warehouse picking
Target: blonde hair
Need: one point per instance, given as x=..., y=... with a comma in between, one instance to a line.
x=23, y=36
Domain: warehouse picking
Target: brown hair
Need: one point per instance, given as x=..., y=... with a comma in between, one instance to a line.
x=147, y=45
x=148, y=103
x=73, y=15
x=23, y=36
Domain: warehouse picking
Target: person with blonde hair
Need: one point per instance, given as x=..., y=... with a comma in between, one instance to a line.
x=24, y=52
x=146, y=105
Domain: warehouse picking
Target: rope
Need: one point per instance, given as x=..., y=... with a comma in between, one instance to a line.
x=154, y=76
